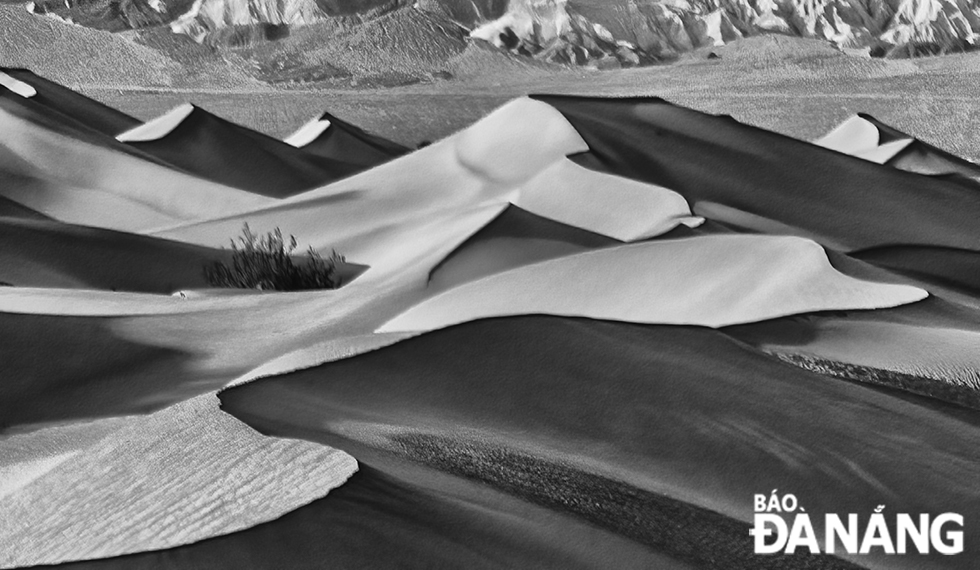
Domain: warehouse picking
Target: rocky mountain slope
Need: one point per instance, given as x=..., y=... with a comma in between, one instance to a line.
x=420, y=36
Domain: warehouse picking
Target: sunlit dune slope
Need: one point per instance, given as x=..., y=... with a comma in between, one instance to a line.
x=122, y=485
x=710, y=281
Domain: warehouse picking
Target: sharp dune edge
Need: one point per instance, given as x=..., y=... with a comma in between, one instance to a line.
x=589, y=265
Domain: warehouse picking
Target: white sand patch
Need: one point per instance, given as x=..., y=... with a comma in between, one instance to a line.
x=307, y=133
x=614, y=206
x=17, y=476
x=710, y=281
x=851, y=137
x=159, y=127
x=180, y=475
x=17, y=86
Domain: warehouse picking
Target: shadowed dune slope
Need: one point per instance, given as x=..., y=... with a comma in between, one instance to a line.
x=657, y=408
x=11, y=209
x=839, y=199
x=515, y=238
x=210, y=147
x=46, y=253
x=956, y=268
x=80, y=368
x=54, y=98
x=350, y=144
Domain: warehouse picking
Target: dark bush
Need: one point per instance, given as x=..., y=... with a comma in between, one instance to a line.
x=268, y=264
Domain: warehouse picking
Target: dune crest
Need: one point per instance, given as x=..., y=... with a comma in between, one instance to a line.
x=159, y=127
x=307, y=133
x=851, y=137
x=17, y=86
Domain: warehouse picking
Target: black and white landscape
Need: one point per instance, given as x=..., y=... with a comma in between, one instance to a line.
x=490, y=284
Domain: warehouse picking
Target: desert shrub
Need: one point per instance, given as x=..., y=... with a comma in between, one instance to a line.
x=268, y=263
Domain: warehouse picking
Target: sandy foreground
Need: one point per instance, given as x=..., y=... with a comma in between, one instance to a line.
x=580, y=332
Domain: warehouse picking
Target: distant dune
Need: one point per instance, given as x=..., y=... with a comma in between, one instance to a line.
x=192, y=140
x=864, y=136
x=339, y=140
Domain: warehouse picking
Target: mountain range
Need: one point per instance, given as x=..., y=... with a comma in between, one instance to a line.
x=393, y=42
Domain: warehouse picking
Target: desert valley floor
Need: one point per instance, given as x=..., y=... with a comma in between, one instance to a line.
x=580, y=329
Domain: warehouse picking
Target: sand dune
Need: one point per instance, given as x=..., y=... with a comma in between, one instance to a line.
x=922, y=157
x=710, y=281
x=483, y=166
x=658, y=408
x=58, y=101
x=866, y=137
x=194, y=141
x=845, y=200
x=91, y=182
x=330, y=137
x=154, y=350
